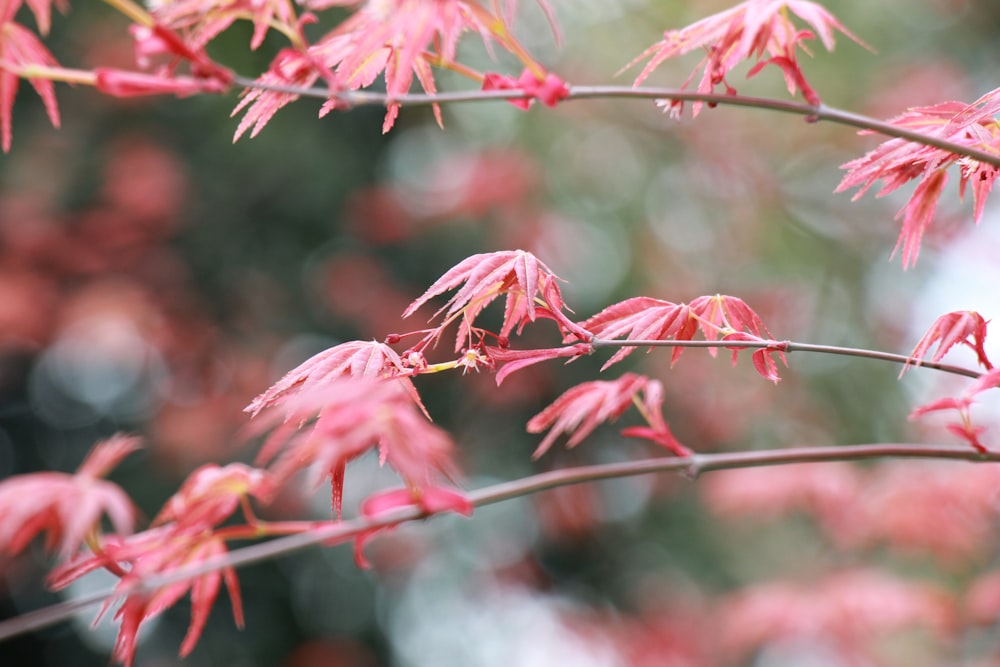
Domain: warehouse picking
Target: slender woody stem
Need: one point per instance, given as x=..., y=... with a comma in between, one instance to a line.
x=811, y=112
x=343, y=531
x=792, y=346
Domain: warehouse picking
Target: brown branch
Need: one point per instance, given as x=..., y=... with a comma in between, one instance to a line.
x=811, y=112
x=691, y=467
x=788, y=346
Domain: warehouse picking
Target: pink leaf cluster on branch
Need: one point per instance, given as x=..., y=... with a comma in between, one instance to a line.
x=896, y=162
x=322, y=427
x=19, y=47
x=963, y=327
x=966, y=328
x=718, y=317
x=186, y=533
x=965, y=428
x=67, y=507
x=397, y=39
x=761, y=30
x=581, y=409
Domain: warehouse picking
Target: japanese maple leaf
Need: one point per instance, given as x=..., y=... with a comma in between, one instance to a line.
x=515, y=360
x=212, y=493
x=642, y=318
x=717, y=316
x=157, y=552
x=290, y=67
x=529, y=285
x=657, y=430
x=965, y=427
x=896, y=162
x=20, y=48
x=581, y=409
x=391, y=38
x=363, y=359
x=41, y=9
x=761, y=30
x=963, y=327
x=68, y=507
x=322, y=428
x=203, y=20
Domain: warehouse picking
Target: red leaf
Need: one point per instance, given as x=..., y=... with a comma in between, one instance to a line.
x=963, y=327
x=19, y=47
x=68, y=507
x=642, y=318
x=515, y=360
x=480, y=279
x=323, y=426
x=750, y=30
x=897, y=161
x=582, y=408
x=356, y=358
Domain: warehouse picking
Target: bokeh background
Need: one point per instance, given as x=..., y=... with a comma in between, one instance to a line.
x=155, y=277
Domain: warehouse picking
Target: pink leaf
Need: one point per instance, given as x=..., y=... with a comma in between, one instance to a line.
x=480, y=279
x=581, y=409
x=963, y=327
x=514, y=360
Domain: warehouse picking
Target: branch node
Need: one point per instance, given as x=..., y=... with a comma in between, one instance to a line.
x=692, y=471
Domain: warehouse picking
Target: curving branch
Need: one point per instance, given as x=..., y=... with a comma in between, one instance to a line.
x=689, y=466
x=812, y=113
x=788, y=346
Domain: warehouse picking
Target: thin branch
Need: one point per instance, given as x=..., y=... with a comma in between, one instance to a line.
x=337, y=533
x=811, y=112
x=788, y=346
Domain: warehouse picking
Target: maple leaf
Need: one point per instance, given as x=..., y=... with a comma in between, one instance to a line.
x=581, y=409
x=964, y=428
x=203, y=20
x=395, y=38
x=290, y=67
x=515, y=360
x=896, y=162
x=322, y=427
x=41, y=9
x=158, y=551
x=21, y=49
x=529, y=285
x=651, y=407
x=68, y=507
x=731, y=318
x=211, y=493
x=717, y=316
x=962, y=327
x=751, y=30
x=356, y=358
x=642, y=318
